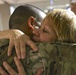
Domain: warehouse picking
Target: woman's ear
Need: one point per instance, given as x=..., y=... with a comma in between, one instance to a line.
x=31, y=21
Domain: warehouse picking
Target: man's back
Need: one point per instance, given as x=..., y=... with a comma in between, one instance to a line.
x=55, y=58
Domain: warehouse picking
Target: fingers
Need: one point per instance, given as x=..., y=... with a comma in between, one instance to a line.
x=19, y=66
x=10, y=48
x=20, y=47
x=9, y=68
x=23, y=49
x=39, y=71
x=17, y=48
x=2, y=72
x=32, y=45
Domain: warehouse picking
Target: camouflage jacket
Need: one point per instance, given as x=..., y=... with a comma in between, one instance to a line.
x=56, y=58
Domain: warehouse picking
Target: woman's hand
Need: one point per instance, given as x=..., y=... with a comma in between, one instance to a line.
x=20, y=68
x=19, y=40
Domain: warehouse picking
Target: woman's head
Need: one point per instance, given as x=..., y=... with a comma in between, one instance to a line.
x=61, y=25
x=45, y=33
x=64, y=24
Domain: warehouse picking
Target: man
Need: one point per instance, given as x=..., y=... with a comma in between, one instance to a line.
x=25, y=17
x=73, y=5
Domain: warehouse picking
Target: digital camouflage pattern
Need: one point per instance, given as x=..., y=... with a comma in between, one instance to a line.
x=56, y=58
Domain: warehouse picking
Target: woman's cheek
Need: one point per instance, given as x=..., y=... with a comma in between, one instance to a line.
x=45, y=38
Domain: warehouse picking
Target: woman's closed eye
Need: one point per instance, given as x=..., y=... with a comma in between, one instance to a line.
x=45, y=31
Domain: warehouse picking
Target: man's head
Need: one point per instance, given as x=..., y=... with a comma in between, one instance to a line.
x=25, y=17
x=73, y=5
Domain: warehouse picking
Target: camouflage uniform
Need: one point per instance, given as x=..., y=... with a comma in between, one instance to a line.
x=56, y=58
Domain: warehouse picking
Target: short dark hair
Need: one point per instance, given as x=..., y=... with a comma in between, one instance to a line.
x=22, y=13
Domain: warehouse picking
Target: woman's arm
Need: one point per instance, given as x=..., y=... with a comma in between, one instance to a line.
x=18, y=40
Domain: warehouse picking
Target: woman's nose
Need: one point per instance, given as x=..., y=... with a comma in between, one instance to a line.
x=36, y=32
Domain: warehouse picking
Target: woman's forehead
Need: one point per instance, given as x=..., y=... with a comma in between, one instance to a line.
x=45, y=23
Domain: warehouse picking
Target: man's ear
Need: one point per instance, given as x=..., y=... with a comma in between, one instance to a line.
x=31, y=21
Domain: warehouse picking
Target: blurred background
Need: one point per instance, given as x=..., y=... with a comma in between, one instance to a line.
x=8, y=6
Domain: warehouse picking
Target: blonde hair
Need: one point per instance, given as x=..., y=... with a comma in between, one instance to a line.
x=64, y=24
